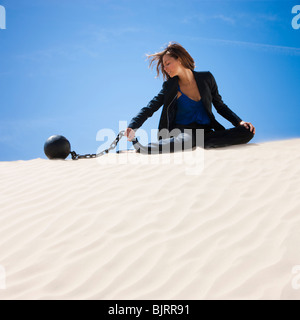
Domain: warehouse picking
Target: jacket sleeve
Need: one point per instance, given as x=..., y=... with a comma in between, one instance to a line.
x=148, y=111
x=220, y=106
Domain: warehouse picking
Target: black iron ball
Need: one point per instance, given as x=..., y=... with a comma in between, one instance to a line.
x=57, y=147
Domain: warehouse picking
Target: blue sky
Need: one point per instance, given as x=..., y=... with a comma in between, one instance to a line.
x=76, y=67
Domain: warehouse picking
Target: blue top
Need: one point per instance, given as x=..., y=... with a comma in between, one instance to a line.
x=189, y=111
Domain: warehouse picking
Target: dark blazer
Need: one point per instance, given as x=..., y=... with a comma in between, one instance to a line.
x=167, y=96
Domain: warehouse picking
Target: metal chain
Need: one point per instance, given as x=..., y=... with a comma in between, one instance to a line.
x=113, y=145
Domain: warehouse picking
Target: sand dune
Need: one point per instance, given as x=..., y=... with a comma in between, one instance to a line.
x=119, y=227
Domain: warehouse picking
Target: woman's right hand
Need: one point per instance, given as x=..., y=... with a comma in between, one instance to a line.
x=130, y=134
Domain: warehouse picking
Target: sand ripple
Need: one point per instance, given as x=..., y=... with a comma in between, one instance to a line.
x=90, y=230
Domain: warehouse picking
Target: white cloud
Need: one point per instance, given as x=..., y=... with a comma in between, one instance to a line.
x=251, y=45
x=240, y=18
x=106, y=34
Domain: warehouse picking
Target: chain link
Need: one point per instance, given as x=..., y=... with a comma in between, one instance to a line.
x=113, y=145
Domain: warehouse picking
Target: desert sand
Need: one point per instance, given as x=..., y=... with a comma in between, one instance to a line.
x=124, y=227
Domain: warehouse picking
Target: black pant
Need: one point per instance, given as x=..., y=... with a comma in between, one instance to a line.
x=189, y=137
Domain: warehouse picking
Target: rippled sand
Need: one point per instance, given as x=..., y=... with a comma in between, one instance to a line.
x=121, y=227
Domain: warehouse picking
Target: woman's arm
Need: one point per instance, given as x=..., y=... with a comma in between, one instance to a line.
x=148, y=111
x=220, y=106
x=248, y=125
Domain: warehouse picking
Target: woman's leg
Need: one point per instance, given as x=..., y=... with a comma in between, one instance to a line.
x=180, y=142
x=228, y=137
x=187, y=140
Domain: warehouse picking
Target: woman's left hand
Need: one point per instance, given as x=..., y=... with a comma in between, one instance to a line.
x=248, y=125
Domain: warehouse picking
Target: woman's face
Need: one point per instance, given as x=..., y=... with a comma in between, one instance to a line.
x=171, y=65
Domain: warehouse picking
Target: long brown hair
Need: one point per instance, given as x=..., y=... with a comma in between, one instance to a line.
x=175, y=50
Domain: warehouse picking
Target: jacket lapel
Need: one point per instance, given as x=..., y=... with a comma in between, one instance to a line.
x=202, y=90
x=173, y=89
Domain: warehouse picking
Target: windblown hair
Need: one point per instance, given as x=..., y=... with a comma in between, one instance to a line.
x=176, y=51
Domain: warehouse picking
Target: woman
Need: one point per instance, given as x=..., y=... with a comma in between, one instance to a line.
x=187, y=97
